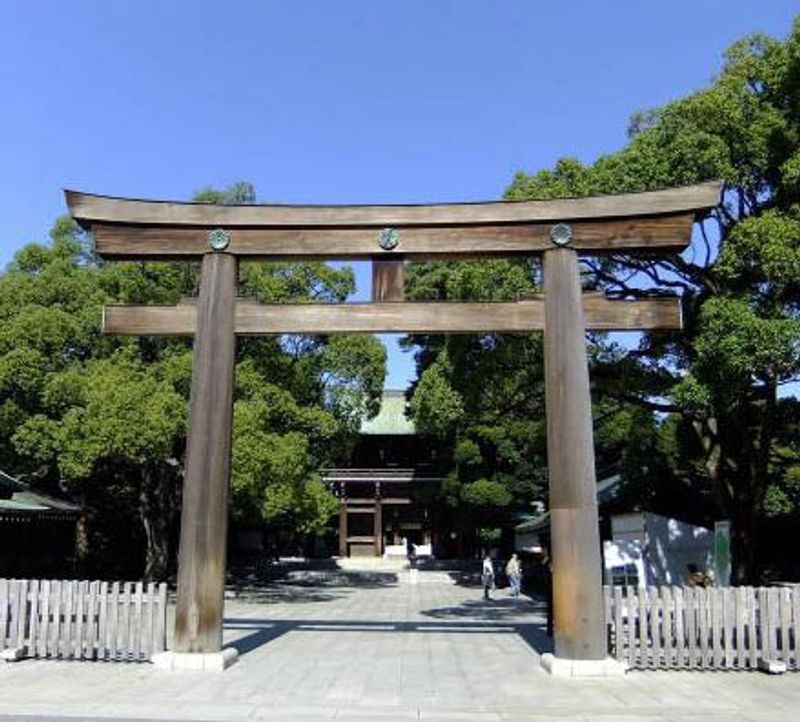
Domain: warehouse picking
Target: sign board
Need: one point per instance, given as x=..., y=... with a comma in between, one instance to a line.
x=722, y=553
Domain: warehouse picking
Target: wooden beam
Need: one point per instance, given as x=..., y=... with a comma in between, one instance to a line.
x=649, y=232
x=343, y=529
x=254, y=319
x=388, y=280
x=88, y=209
x=377, y=530
x=579, y=629
x=179, y=320
x=204, y=513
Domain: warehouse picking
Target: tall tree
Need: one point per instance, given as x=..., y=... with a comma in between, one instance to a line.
x=482, y=396
x=694, y=412
x=739, y=280
x=107, y=416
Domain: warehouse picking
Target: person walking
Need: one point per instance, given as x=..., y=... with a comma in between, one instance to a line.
x=514, y=574
x=547, y=577
x=412, y=563
x=488, y=576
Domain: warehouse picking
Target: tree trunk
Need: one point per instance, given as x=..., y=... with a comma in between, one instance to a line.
x=81, y=565
x=157, y=514
x=728, y=443
x=745, y=442
x=744, y=542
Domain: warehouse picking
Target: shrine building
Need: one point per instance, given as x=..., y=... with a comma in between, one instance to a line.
x=389, y=492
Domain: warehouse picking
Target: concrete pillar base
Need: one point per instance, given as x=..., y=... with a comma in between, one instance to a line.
x=578, y=668
x=196, y=661
x=13, y=654
x=772, y=666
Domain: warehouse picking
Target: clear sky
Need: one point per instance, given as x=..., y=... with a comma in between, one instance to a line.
x=337, y=101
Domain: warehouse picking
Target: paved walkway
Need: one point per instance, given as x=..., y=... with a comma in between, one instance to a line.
x=373, y=647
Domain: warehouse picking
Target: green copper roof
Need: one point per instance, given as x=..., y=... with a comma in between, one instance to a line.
x=13, y=505
x=23, y=501
x=391, y=419
x=9, y=483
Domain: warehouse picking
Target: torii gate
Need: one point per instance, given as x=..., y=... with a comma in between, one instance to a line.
x=126, y=229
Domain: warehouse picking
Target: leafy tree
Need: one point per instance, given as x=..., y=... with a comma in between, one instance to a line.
x=482, y=396
x=739, y=280
x=240, y=193
x=108, y=416
x=114, y=417
x=696, y=412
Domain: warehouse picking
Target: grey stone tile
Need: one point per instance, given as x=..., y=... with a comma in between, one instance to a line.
x=434, y=651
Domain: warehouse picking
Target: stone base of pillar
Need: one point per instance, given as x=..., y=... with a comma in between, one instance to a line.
x=196, y=661
x=577, y=668
x=772, y=666
x=15, y=654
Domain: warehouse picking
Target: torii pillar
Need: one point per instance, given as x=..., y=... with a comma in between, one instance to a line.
x=204, y=515
x=578, y=624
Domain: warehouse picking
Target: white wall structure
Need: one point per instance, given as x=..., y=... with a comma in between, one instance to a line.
x=649, y=550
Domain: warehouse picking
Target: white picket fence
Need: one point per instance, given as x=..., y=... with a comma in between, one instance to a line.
x=730, y=628
x=54, y=619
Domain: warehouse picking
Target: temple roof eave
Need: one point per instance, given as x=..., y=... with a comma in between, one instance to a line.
x=401, y=476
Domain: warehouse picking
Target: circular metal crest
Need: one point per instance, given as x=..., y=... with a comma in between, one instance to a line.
x=389, y=239
x=561, y=234
x=219, y=239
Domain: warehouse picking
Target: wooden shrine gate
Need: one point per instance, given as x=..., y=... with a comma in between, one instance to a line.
x=659, y=221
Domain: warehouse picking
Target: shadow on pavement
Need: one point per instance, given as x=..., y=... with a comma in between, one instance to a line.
x=487, y=610
x=503, y=611
x=306, y=585
x=277, y=594
x=446, y=620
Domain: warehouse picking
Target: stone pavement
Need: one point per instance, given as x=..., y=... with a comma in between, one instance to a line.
x=370, y=646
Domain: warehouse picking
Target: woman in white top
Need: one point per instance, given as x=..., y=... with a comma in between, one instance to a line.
x=488, y=576
x=514, y=574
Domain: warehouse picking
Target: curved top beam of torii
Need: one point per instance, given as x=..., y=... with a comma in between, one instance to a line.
x=128, y=228
x=88, y=208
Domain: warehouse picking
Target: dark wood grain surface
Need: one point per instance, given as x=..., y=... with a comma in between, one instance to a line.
x=87, y=208
x=254, y=319
x=663, y=232
x=204, y=514
x=579, y=628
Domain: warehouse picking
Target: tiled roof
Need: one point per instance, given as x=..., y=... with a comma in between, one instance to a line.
x=391, y=419
x=607, y=490
x=9, y=483
x=22, y=502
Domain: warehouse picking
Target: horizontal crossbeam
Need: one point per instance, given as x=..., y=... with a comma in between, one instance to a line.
x=255, y=319
x=669, y=232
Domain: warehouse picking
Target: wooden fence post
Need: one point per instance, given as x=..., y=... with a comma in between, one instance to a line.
x=706, y=628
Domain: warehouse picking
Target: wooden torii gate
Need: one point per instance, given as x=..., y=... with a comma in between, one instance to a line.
x=126, y=229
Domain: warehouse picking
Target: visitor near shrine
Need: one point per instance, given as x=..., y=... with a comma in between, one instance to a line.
x=487, y=576
x=514, y=574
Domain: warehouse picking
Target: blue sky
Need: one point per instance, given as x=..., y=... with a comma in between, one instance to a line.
x=333, y=102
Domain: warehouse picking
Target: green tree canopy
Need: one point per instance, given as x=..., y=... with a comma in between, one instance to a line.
x=709, y=394
x=739, y=280
x=108, y=415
